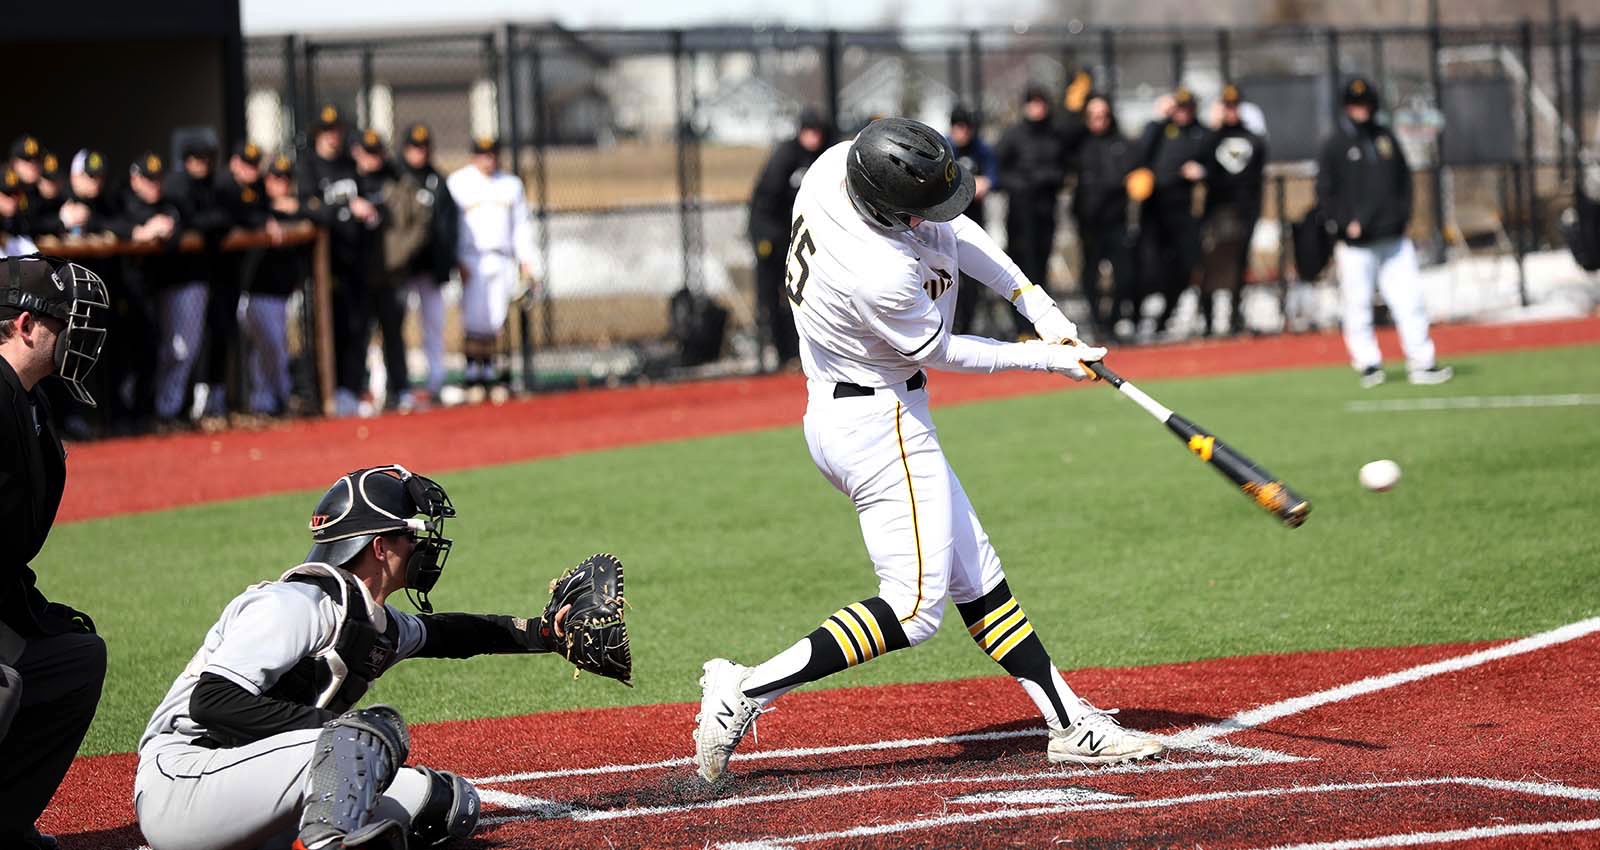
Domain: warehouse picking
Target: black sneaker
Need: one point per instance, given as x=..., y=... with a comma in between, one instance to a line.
x=1372, y=376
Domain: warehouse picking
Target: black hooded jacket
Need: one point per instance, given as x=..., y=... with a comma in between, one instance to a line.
x=1362, y=176
x=1103, y=164
x=1033, y=158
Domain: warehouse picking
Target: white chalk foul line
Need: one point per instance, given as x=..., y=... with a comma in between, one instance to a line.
x=592, y=815
x=1412, y=839
x=1549, y=789
x=1471, y=402
x=1206, y=747
x=1278, y=710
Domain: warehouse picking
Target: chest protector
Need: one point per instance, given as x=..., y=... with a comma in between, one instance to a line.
x=363, y=645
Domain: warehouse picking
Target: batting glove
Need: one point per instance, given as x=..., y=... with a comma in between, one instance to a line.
x=1070, y=358
x=1055, y=328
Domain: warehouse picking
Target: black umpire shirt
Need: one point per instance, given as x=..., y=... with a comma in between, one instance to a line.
x=33, y=473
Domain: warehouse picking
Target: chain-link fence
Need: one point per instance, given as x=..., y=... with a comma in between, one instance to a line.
x=639, y=149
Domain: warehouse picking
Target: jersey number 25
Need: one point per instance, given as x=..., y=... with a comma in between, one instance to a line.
x=800, y=247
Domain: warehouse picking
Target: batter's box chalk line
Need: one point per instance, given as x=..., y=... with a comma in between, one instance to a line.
x=1540, y=789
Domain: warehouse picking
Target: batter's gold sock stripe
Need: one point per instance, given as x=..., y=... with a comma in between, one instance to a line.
x=990, y=618
x=988, y=639
x=916, y=532
x=851, y=658
x=858, y=642
x=1000, y=633
x=1019, y=636
x=869, y=626
x=869, y=650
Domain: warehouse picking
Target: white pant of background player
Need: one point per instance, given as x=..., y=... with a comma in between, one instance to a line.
x=242, y=798
x=1390, y=267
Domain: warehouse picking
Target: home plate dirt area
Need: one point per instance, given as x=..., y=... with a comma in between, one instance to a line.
x=1481, y=745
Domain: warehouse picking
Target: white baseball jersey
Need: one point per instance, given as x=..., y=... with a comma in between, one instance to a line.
x=866, y=300
x=494, y=215
x=261, y=634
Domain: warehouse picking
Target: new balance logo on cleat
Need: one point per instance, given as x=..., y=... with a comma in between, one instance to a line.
x=726, y=714
x=1098, y=739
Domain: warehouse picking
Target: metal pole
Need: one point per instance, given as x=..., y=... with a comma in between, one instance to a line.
x=1436, y=79
x=491, y=71
x=1530, y=220
x=1333, y=68
x=289, y=137
x=830, y=79
x=680, y=84
x=311, y=77
x=1281, y=199
x=952, y=72
x=1177, y=63
x=1380, y=71
x=975, y=75
x=1108, y=58
x=1225, y=55
x=1575, y=60
x=541, y=189
x=1560, y=83
x=364, y=102
x=513, y=128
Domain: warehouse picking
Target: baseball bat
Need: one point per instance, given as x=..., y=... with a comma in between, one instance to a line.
x=1264, y=488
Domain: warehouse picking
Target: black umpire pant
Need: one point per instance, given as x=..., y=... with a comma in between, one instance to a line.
x=772, y=300
x=60, y=679
x=1030, y=235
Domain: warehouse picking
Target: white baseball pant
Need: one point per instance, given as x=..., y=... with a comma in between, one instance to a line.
x=1390, y=266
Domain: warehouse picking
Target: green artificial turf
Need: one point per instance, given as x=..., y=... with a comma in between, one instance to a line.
x=1121, y=546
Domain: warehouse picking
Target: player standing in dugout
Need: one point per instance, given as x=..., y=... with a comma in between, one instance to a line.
x=873, y=270
x=1364, y=185
x=52, y=663
x=771, y=210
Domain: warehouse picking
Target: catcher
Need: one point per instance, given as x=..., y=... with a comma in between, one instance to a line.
x=259, y=742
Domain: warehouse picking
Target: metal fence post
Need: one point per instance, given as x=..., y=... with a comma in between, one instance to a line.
x=541, y=187
x=952, y=72
x=364, y=100
x=975, y=75
x=830, y=79
x=311, y=78
x=1436, y=78
x=1575, y=60
x=1108, y=58
x=1530, y=222
x=1380, y=69
x=1334, y=72
x=491, y=71
x=688, y=165
x=288, y=138
x=1558, y=80
x=1224, y=55
x=1177, y=62
x=509, y=97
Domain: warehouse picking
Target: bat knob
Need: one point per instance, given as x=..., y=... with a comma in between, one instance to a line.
x=1296, y=516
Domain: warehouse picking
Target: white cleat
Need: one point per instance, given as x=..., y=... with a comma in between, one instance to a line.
x=1098, y=739
x=726, y=714
x=1431, y=375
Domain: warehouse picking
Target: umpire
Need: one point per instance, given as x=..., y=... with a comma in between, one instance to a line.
x=51, y=662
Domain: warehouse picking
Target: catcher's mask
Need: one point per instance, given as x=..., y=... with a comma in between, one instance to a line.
x=51, y=286
x=368, y=503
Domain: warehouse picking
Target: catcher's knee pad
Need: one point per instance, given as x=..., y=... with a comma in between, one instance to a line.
x=10, y=697
x=357, y=756
x=449, y=813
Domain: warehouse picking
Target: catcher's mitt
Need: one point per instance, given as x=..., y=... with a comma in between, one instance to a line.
x=593, y=634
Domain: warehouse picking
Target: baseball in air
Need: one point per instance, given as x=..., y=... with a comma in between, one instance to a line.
x=1380, y=475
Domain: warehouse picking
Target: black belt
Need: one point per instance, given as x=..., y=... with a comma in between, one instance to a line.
x=843, y=390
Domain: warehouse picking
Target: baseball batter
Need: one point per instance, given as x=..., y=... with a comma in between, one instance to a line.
x=258, y=743
x=875, y=250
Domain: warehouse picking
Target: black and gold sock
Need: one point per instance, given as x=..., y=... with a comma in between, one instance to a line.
x=1001, y=629
x=854, y=634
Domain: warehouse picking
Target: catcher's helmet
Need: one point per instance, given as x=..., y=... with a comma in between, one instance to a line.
x=379, y=500
x=51, y=286
x=898, y=169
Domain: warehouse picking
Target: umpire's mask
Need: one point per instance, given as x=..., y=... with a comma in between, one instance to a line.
x=51, y=286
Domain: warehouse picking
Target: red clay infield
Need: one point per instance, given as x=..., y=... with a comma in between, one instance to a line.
x=146, y=474
x=1497, y=754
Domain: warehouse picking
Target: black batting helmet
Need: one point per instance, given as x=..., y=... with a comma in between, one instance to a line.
x=378, y=500
x=898, y=169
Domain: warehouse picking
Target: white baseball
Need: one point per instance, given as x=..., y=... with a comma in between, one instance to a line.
x=1380, y=475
